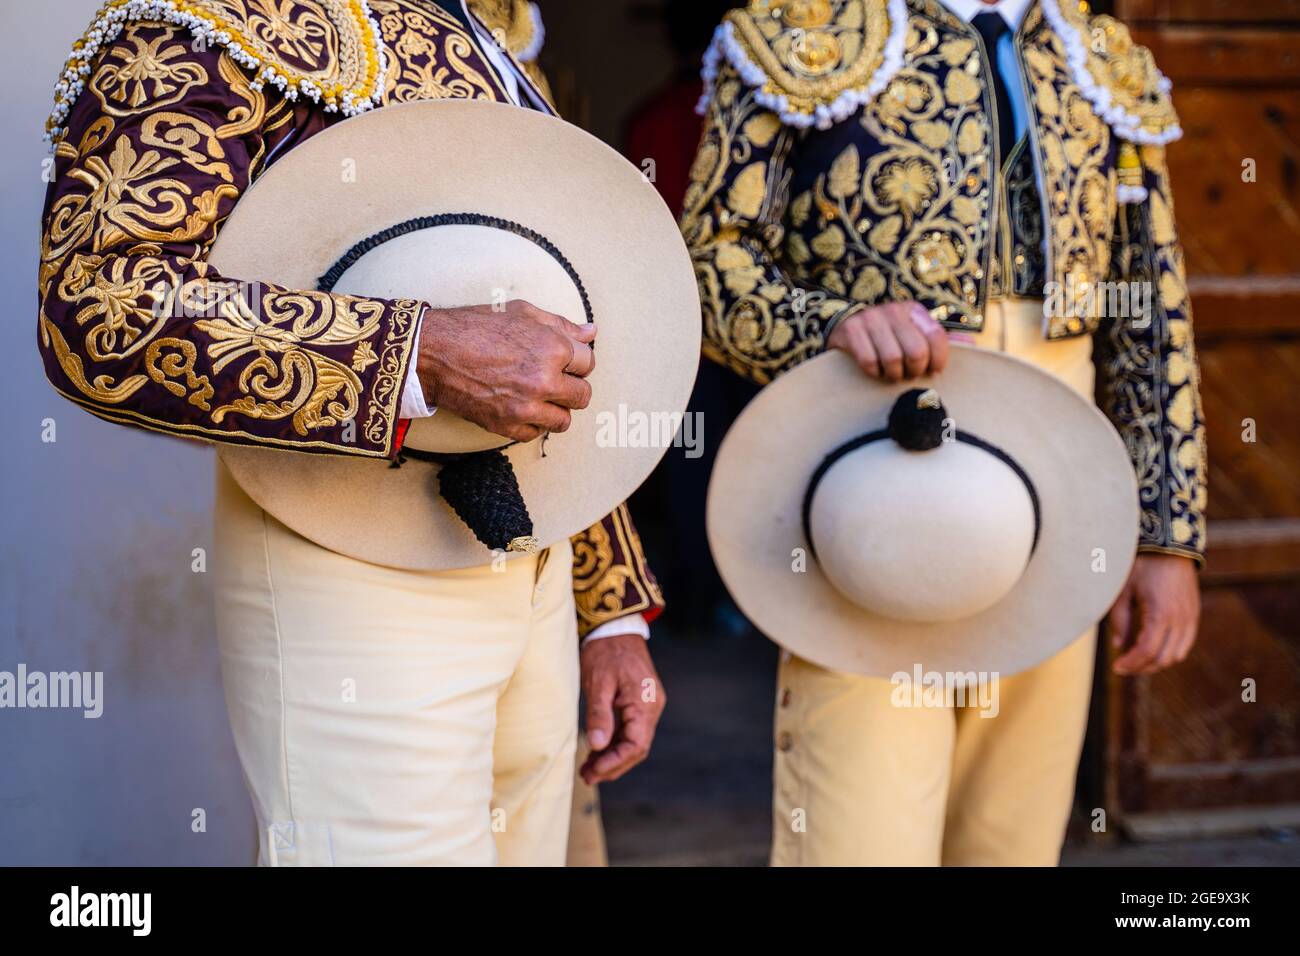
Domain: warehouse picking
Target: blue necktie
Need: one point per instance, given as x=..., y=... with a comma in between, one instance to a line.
x=993, y=28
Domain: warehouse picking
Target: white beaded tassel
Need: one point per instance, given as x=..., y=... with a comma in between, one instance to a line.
x=108, y=25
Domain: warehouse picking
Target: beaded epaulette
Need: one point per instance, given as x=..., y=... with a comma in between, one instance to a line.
x=812, y=62
x=328, y=51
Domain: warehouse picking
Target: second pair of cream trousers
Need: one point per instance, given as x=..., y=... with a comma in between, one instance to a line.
x=861, y=782
x=387, y=717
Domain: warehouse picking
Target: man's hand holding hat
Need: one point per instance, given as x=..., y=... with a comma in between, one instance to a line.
x=895, y=341
x=1154, y=621
x=515, y=370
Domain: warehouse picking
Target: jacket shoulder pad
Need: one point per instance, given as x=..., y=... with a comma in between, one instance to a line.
x=327, y=51
x=812, y=62
x=1118, y=76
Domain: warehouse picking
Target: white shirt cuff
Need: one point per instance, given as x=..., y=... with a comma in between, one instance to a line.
x=413, y=403
x=628, y=624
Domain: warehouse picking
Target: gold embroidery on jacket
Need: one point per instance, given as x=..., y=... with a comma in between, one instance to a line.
x=386, y=393
x=812, y=51
x=284, y=378
x=241, y=120
x=128, y=199
x=1151, y=378
x=1079, y=183
x=146, y=72
x=431, y=51
x=330, y=48
x=125, y=300
x=914, y=218
x=1126, y=70
x=911, y=218
x=130, y=298
x=170, y=359
x=509, y=21
x=610, y=577
x=732, y=228
x=514, y=25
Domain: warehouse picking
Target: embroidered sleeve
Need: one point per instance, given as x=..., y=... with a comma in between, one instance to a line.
x=1149, y=382
x=135, y=327
x=610, y=575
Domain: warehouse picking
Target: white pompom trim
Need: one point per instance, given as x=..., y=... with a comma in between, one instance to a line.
x=825, y=116
x=111, y=22
x=1125, y=124
x=1132, y=195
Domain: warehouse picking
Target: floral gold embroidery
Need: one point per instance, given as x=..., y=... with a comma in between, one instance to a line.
x=1151, y=382
x=610, y=578
x=432, y=55
x=281, y=378
x=124, y=301
x=818, y=60
x=1079, y=185
x=145, y=72
x=1118, y=76
x=328, y=51
x=170, y=359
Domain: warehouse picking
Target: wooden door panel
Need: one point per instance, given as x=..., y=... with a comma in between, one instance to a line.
x=1246, y=381
x=1185, y=740
x=1216, y=55
x=1223, y=129
x=1191, y=741
x=1168, y=12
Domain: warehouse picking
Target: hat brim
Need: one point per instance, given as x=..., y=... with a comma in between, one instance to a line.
x=1079, y=466
x=441, y=157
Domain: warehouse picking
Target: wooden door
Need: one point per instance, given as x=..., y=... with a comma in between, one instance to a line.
x=1217, y=740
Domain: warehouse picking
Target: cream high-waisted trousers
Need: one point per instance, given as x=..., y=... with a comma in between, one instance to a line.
x=861, y=782
x=391, y=717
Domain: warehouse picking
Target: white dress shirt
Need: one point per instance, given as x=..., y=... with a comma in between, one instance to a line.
x=1013, y=11
x=518, y=87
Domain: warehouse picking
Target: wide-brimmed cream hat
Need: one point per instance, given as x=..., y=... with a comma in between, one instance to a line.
x=978, y=521
x=471, y=203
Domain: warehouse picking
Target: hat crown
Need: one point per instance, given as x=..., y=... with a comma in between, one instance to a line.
x=932, y=536
x=463, y=264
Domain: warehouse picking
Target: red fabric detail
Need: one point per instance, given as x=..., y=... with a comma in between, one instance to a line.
x=666, y=128
x=399, y=435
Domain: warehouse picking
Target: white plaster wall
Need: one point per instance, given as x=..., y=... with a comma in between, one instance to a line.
x=96, y=535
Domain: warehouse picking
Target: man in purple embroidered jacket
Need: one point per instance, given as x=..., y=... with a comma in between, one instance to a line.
x=877, y=174
x=165, y=114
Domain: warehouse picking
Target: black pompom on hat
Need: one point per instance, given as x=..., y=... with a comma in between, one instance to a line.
x=916, y=422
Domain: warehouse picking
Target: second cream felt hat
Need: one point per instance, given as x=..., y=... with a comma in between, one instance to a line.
x=978, y=521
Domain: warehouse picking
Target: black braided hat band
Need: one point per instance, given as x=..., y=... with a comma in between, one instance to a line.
x=330, y=279
x=916, y=423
